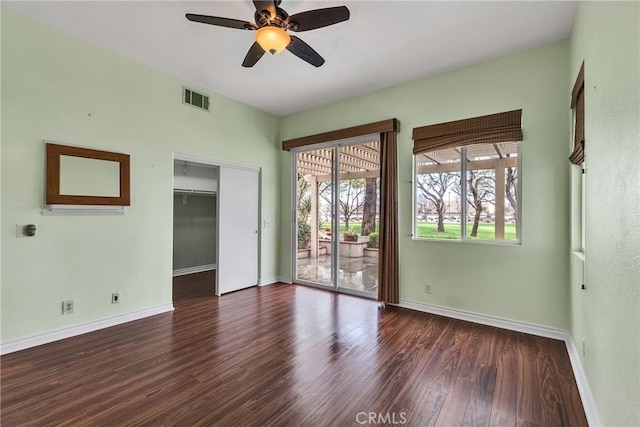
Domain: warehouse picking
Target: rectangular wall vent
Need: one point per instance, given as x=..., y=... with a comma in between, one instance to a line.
x=196, y=99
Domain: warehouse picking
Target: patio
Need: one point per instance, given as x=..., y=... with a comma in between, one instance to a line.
x=353, y=273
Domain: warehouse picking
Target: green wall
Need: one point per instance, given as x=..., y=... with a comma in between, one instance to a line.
x=58, y=88
x=607, y=315
x=527, y=282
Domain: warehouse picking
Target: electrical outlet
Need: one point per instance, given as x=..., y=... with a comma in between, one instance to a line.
x=267, y=223
x=115, y=298
x=427, y=288
x=68, y=306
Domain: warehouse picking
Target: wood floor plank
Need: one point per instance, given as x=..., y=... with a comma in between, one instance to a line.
x=426, y=411
x=504, y=407
x=287, y=355
x=455, y=404
x=530, y=403
x=478, y=411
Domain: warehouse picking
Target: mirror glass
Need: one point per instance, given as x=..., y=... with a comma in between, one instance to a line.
x=80, y=176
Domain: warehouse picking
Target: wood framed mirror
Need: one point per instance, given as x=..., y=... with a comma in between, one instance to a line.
x=83, y=176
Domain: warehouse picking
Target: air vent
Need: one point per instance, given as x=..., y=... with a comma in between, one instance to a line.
x=196, y=99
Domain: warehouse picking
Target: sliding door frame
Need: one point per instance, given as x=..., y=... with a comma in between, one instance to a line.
x=335, y=146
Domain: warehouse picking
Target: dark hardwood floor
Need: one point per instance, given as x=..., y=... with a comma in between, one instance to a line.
x=288, y=355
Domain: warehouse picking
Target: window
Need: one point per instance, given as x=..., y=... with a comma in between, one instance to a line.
x=577, y=158
x=490, y=206
x=467, y=184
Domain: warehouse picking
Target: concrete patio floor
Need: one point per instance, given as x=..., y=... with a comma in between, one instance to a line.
x=353, y=273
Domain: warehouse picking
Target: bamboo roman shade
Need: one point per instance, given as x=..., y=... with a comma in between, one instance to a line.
x=577, y=103
x=494, y=128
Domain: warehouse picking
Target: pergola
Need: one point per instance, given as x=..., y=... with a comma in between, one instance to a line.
x=482, y=156
x=356, y=161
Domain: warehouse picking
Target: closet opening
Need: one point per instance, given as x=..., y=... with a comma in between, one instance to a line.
x=195, y=225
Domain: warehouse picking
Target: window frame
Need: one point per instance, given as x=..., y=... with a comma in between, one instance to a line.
x=463, y=214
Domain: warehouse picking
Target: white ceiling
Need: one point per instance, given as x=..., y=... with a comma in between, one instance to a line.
x=383, y=44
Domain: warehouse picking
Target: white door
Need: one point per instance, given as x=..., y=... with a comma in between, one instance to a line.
x=238, y=209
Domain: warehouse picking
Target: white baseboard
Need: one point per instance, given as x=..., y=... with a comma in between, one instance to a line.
x=272, y=280
x=593, y=418
x=483, y=319
x=588, y=403
x=268, y=281
x=82, y=328
x=196, y=269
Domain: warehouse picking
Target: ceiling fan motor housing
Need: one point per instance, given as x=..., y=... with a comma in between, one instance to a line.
x=263, y=18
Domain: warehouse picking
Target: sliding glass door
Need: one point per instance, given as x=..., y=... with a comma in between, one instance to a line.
x=315, y=217
x=337, y=215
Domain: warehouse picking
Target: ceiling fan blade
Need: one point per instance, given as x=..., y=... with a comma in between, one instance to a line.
x=268, y=5
x=305, y=52
x=253, y=56
x=318, y=18
x=221, y=22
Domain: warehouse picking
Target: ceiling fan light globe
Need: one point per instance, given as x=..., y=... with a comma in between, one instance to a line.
x=272, y=39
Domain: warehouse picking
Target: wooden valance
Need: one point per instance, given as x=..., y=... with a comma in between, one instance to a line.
x=390, y=125
x=493, y=128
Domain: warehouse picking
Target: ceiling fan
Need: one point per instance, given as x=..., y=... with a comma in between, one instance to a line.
x=271, y=26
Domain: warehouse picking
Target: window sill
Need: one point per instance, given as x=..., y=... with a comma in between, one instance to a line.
x=469, y=241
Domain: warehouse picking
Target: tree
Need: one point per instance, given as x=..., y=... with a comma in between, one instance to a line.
x=511, y=188
x=481, y=187
x=325, y=205
x=370, y=206
x=351, y=198
x=433, y=187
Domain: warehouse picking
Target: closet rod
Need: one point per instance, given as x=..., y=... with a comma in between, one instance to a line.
x=195, y=192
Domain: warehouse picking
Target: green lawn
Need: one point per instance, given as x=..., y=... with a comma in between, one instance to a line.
x=429, y=230
x=356, y=227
